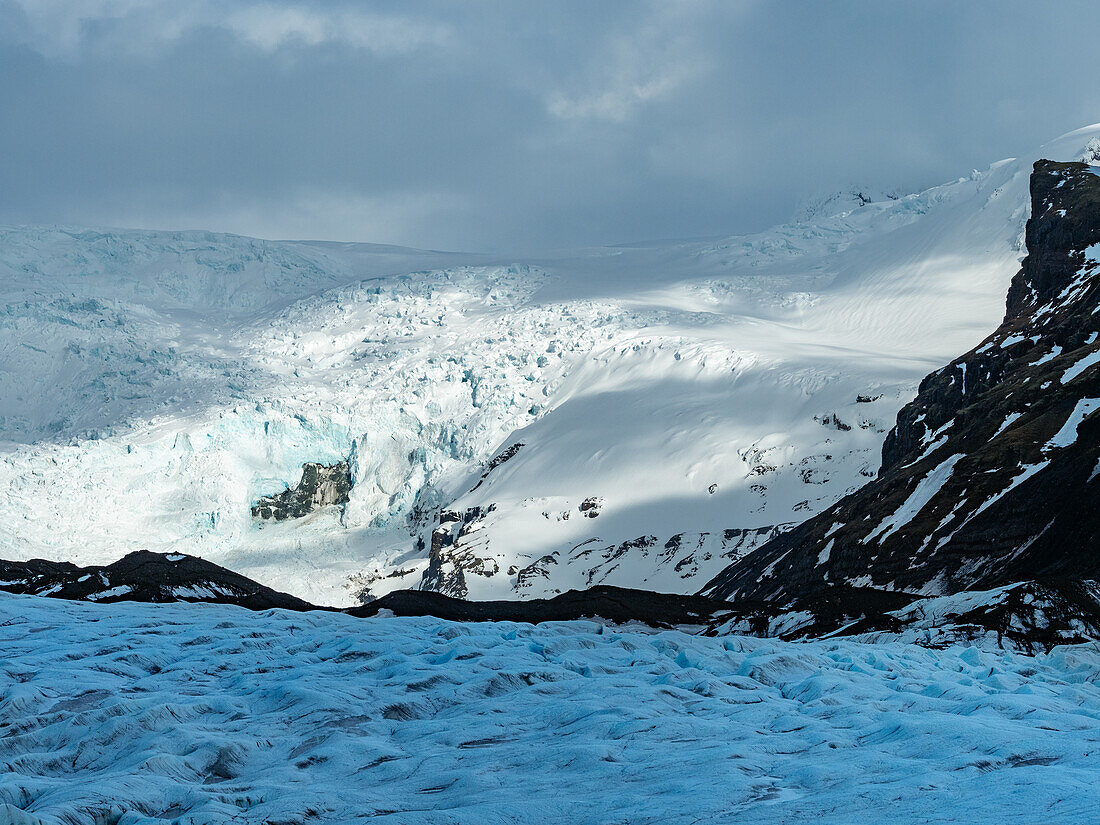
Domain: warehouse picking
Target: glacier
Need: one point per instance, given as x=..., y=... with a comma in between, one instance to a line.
x=154, y=385
x=137, y=714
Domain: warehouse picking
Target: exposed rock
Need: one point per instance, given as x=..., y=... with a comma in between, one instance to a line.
x=143, y=576
x=590, y=507
x=1030, y=616
x=525, y=576
x=321, y=485
x=458, y=547
x=990, y=475
x=680, y=557
x=501, y=457
x=613, y=604
x=832, y=420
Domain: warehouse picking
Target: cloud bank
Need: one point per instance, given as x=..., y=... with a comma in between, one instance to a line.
x=505, y=126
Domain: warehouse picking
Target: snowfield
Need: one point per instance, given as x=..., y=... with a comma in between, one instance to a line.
x=189, y=714
x=153, y=385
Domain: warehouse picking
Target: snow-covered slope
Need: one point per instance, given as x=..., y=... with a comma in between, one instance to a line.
x=677, y=404
x=988, y=478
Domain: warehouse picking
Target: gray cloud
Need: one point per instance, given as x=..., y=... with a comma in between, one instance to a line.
x=71, y=29
x=514, y=126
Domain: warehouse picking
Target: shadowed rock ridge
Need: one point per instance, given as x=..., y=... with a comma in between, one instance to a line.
x=143, y=576
x=1028, y=616
x=990, y=476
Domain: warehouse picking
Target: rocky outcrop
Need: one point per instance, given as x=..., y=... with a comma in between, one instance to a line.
x=458, y=548
x=321, y=485
x=613, y=604
x=143, y=577
x=671, y=561
x=590, y=507
x=504, y=455
x=1029, y=617
x=992, y=474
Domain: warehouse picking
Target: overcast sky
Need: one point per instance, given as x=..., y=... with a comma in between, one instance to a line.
x=515, y=126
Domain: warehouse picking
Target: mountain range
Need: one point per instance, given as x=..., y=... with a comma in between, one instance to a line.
x=767, y=419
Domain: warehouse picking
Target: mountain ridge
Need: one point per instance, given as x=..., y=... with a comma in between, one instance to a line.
x=155, y=388
x=1029, y=617
x=987, y=477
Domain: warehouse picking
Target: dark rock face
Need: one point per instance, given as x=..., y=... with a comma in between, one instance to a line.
x=1030, y=616
x=590, y=507
x=143, y=577
x=458, y=548
x=500, y=458
x=991, y=474
x=614, y=604
x=321, y=485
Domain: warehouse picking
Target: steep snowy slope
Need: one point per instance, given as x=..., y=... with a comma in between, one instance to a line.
x=989, y=477
x=636, y=415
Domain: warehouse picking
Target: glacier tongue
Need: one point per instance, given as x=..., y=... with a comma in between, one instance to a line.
x=133, y=713
x=153, y=386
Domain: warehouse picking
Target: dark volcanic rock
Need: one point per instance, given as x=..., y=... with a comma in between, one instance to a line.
x=991, y=474
x=1031, y=616
x=321, y=485
x=143, y=577
x=504, y=455
x=459, y=547
x=614, y=604
x=590, y=507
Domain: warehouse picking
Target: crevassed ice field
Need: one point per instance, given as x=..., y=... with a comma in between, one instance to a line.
x=200, y=713
x=153, y=385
